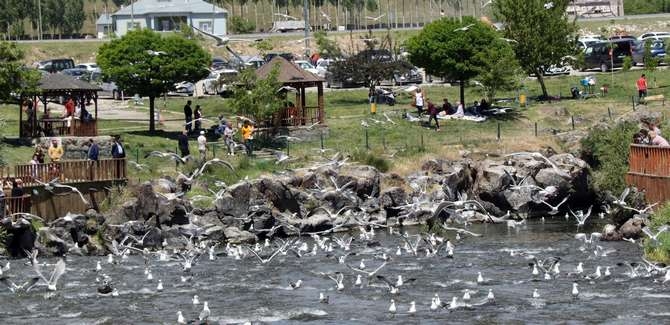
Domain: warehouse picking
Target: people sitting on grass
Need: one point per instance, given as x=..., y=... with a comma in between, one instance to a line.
x=446, y=107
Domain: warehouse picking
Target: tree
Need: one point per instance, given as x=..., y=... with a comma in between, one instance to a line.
x=326, y=47
x=501, y=71
x=257, y=97
x=545, y=35
x=14, y=78
x=73, y=16
x=453, y=50
x=145, y=63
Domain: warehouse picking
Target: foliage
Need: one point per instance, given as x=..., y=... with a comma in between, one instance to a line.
x=627, y=63
x=145, y=63
x=650, y=62
x=606, y=150
x=368, y=67
x=545, y=36
x=638, y=7
x=264, y=47
x=501, y=71
x=73, y=16
x=257, y=97
x=241, y=25
x=454, y=50
x=660, y=252
x=14, y=78
x=367, y=158
x=327, y=47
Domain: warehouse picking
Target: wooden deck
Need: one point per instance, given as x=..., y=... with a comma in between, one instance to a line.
x=649, y=170
x=72, y=171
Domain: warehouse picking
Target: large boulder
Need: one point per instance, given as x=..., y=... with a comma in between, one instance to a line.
x=278, y=192
x=393, y=197
x=235, y=202
x=236, y=236
x=20, y=236
x=367, y=179
x=632, y=228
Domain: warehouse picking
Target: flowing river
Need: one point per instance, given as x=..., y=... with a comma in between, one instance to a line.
x=245, y=290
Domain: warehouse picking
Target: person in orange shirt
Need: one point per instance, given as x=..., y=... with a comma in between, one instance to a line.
x=248, y=137
x=642, y=87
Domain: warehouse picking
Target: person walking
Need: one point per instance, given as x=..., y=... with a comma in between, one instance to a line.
x=93, y=150
x=118, y=153
x=188, y=116
x=55, y=151
x=641, y=87
x=202, y=146
x=248, y=137
x=228, y=133
x=432, y=111
x=182, y=141
x=197, y=116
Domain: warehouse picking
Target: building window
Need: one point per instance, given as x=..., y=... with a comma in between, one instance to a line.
x=166, y=24
x=131, y=25
x=206, y=26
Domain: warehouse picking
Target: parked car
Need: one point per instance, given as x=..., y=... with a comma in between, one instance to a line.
x=305, y=65
x=322, y=66
x=107, y=86
x=656, y=47
x=88, y=66
x=285, y=55
x=653, y=35
x=349, y=82
x=597, y=56
x=185, y=88
x=55, y=65
x=621, y=37
x=218, y=82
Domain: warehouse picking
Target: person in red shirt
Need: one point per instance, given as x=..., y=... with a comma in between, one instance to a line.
x=642, y=86
x=69, y=107
x=433, y=111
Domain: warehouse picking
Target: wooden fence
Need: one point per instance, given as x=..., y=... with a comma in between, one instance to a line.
x=16, y=204
x=59, y=127
x=293, y=116
x=72, y=171
x=649, y=170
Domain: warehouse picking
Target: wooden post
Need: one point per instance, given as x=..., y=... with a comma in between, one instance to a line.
x=633, y=100
x=303, y=103
x=383, y=139
x=321, y=137
x=321, y=111
x=535, y=128
x=422, y=148
x=609, y=112
x=367, y=144
x=572, y=118
x=21, y=116
x=288, y=147
x=498, y=131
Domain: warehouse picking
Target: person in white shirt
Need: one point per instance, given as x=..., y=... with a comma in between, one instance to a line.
x=459, y=110
x=202, y=146
x=228, y=139
x=418, y=101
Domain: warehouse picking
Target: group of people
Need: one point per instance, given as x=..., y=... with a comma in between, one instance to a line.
x=224, y=130
x=73, y=108
x=424, y=104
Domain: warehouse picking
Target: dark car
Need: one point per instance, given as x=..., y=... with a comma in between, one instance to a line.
x=55, y=65
x=77, y=73
x=610, y=54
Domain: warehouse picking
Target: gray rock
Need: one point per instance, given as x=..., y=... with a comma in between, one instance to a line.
x=367, y=179
x=393, y=197
x=610, y=233
x=632, y=228
x=550, y=176
x=236, y=236
x=215, y=233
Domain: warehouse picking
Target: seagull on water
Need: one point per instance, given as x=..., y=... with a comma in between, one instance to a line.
x=590, y=239
x=575, y=291
x=196, y=300
x=323, y=298
x=180, y=318
x=204, y=314
x=392, y=308
x=58, y=271
x=621, y=200
x=536, y=295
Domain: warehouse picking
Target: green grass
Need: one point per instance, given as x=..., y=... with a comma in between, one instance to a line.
x=660, y=252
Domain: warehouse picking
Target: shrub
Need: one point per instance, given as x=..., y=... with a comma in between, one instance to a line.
x=371, y=159
x=627, y=63
x=240, y=25
x=660, y=252
x=606, y=150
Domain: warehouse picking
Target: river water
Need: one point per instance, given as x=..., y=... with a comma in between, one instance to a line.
x=241, y=291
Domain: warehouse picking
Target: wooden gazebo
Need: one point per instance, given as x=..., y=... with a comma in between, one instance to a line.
x=56, y=88
x=290, y=75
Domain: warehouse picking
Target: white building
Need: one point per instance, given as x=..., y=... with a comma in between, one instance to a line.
x=169, y=15
x=595, y=8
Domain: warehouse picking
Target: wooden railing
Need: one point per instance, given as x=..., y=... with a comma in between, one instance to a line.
x=16, y=204
x=72, y=171
x=649, y=170
x=59, y=127
x=293, y=116
x=649, y=160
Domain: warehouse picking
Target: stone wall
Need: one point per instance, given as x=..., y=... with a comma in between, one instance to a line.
x=77, y=147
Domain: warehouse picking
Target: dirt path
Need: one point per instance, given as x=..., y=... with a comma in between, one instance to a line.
x=109, y=109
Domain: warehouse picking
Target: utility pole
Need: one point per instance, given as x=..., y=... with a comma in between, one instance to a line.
x=132, y=14
x=213, y=17
x=305, y=14
x=39, y=19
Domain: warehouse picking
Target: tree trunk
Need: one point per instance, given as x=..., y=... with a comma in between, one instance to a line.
x=462, y=89
x=152, y=112
x=540, y=79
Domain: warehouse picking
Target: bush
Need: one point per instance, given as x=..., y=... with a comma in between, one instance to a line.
x=660, y=252
x=627, y=63
x=606, y=150
x=239, y=25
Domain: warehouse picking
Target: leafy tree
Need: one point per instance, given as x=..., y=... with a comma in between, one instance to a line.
x=447, y=48
x=501, y=71
x=368, y=67
x=241, y=25
x=327, y=47
x=14, y=78
x=74, y=16
x=53, y=12
x=545, y=36
x=264, y=46
x=145, y=63
x=257, y=97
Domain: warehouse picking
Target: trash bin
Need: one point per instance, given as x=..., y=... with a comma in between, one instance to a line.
x=522, y=100
x=373, y=107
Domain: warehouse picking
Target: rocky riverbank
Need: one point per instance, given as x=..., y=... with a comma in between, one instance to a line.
x=333, y=197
